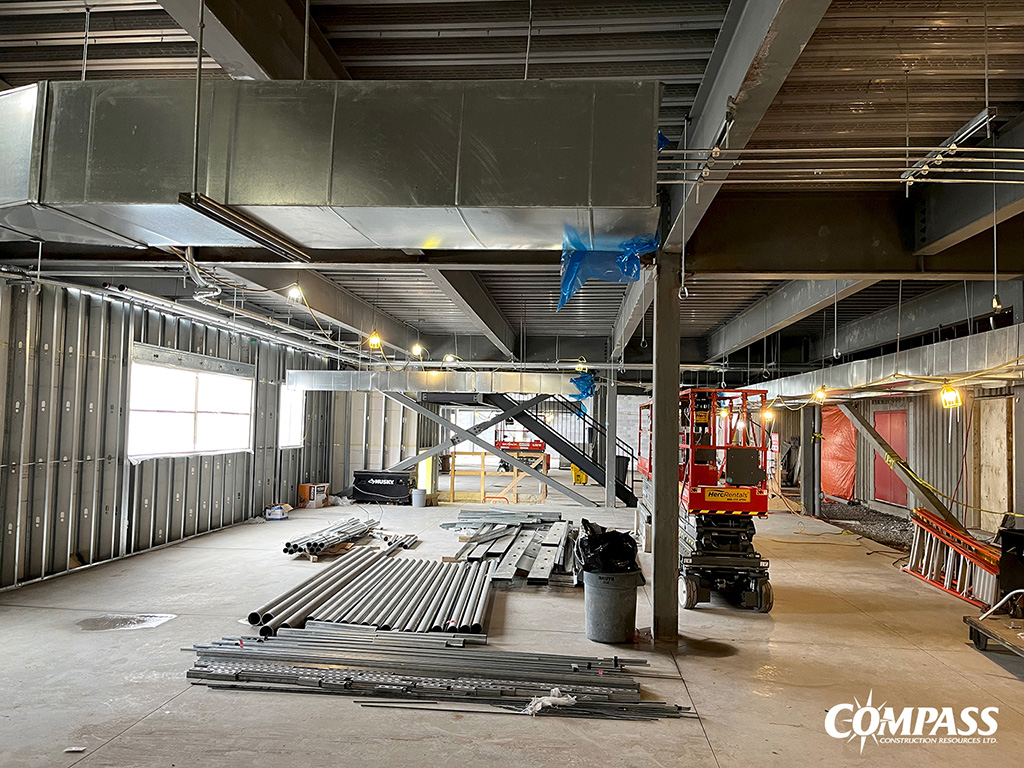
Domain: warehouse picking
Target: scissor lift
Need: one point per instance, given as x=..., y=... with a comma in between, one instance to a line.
x=724, y=438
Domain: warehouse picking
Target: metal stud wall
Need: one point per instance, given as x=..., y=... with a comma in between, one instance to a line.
x=70, y=496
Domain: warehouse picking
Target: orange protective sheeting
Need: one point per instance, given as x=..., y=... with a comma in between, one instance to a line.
x=838, y=453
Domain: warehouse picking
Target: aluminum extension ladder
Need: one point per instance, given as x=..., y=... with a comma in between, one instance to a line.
x=953, y=561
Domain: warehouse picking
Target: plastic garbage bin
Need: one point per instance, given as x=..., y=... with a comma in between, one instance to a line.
x=621, y=468
x=610, y=605
x=419, y=497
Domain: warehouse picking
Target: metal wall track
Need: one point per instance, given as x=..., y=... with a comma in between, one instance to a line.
x=69, y=495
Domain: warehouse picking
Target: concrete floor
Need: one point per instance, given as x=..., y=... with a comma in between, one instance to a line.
x=845, y=624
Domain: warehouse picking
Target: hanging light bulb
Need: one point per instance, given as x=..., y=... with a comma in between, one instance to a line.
x=417, y=350
x=723, y=413
x=951, y=397
x=581, y=365
x=374, y=341
x=295, y=293
x=820, y=395
x=767, y=415
x=449, y=358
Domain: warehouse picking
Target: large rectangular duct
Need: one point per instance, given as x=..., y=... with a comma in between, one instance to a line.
x=494, y=165
x=999, y=352
x=479, y=382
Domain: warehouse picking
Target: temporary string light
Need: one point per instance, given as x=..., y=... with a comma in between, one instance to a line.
x=374, y=341
x=767, y=415
x=417, y=350
x=951, y=397
x=820, y=395
x=723, y=413
x=581, y=365
x=295, y=293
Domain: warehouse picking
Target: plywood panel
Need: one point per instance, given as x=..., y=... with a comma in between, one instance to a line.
x=993, y=457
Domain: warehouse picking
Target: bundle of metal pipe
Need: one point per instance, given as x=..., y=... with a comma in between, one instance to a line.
x=338, y=660
x=352, y=529
x=410, y=595
x=292, y=608
x=405, y=540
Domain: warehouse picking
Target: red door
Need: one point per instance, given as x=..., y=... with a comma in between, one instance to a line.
x=891, y=425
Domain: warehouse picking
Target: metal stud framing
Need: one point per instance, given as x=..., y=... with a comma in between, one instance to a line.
x=69, y=495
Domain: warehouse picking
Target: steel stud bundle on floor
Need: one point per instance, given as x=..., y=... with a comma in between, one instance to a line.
x=352, y=529
x=355, y=661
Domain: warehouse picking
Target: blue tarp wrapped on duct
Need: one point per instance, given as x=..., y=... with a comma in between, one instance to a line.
x=579, y=263
x=585, y=384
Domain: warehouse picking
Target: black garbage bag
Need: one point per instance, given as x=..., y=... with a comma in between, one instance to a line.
x=599, y=550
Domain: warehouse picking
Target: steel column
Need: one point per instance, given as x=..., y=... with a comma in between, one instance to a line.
x=810, y=459
x=666, y=449
x=611, y=436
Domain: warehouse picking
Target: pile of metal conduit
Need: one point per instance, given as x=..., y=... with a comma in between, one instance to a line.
x=292, y=608
x=352, y=529
x=411, y=595
x=334, y=659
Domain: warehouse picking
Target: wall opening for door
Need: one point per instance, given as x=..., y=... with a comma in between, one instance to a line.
x=892, y=426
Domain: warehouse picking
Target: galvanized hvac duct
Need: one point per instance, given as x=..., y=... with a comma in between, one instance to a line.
x=425, y=165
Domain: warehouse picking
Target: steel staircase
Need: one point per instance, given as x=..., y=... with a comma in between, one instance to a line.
x=580, y=452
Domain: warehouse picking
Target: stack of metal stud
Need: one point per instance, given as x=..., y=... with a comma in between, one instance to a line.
x=333, y=659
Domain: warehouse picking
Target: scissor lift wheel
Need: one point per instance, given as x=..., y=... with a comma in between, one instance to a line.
x=765, y=596
x=689, y=589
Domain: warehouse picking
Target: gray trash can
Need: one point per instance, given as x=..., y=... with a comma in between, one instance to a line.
x=610, y=605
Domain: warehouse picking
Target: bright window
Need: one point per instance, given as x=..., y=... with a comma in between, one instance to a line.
x=175, y=411
x=291, y=421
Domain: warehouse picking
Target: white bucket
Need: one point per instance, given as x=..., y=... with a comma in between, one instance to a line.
x=419, y=497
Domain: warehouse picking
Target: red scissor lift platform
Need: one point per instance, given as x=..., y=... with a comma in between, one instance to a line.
x=724, y=438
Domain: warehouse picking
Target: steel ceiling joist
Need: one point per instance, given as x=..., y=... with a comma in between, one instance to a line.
x=759, y=44
x=43, y=7
x=786, y=305
x=471, y=296
x=332, y=303
x=259, y=41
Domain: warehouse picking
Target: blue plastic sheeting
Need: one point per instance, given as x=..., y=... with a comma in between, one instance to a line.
x=579, y=264
x=585, y=384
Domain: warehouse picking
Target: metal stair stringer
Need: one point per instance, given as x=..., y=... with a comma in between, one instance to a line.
x=564, y=448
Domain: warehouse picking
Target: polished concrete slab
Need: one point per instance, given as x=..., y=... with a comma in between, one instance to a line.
x=846, y=624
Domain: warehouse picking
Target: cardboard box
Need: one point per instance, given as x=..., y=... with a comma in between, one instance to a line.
x=313, y=495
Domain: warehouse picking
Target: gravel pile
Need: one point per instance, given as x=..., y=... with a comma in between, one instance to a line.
x=886, y=529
